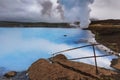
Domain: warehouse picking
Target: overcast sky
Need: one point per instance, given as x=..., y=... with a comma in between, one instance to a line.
x=29, y=10
x=36, y=10
x=106, y=9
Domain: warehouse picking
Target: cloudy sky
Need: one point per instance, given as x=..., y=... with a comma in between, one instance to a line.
x=36, y=10
x=106, y=9
x=29, y=10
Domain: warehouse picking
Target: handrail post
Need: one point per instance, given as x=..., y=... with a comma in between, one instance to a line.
x=95, y=59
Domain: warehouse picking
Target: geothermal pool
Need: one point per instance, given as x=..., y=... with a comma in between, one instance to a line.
x=20, y=47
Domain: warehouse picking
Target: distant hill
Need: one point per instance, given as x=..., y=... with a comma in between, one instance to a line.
x=62, y=24
x=32, y=24
x=109, y=21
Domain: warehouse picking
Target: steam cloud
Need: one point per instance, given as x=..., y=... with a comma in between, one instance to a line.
x=77, y=10
x=51, y=8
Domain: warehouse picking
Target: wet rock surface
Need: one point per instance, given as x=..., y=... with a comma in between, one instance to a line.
x=17, y=76
x=62, y=69
x=10, y=74
x=115, y=63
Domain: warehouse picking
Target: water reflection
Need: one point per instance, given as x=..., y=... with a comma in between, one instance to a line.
x=20, y=47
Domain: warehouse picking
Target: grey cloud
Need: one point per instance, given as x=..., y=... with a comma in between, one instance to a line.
x=47, y=8
x=106, y=9
x=61, y=11
x=28, y=10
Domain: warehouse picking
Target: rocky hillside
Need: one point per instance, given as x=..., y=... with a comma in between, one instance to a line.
x=60, y=68
x=107, y=32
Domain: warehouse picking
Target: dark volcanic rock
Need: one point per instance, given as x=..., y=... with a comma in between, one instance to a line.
x=18, y=76
x=115, y=63
x=10, y=74
x=21, y=76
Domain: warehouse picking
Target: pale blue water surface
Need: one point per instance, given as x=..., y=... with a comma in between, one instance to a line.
x=20, y=47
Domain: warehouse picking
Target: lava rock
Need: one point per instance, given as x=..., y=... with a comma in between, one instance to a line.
x=10, y=74
x=115, y=63
x=15, y=76
x=21, y=76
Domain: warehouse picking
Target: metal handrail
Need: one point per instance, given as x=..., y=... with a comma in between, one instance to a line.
x=74, y=48
x=90, y=57
x=93, y=45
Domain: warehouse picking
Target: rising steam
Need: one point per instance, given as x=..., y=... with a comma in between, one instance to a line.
x=77, y=10
x=69, y=10
x=51, y=8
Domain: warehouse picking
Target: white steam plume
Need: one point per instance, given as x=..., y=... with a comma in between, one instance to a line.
x=77, y=10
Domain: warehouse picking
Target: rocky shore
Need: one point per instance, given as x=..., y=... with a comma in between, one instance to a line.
x=13, y=75
x=60, y=68
x=107, y=32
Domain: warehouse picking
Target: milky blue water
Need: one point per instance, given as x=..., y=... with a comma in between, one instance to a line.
x=20, y=47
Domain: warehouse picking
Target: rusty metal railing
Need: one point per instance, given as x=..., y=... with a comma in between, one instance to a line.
x=95, y=57
x=74, y=48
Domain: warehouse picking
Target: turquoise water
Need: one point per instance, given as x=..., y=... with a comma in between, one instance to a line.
x=20, y=47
